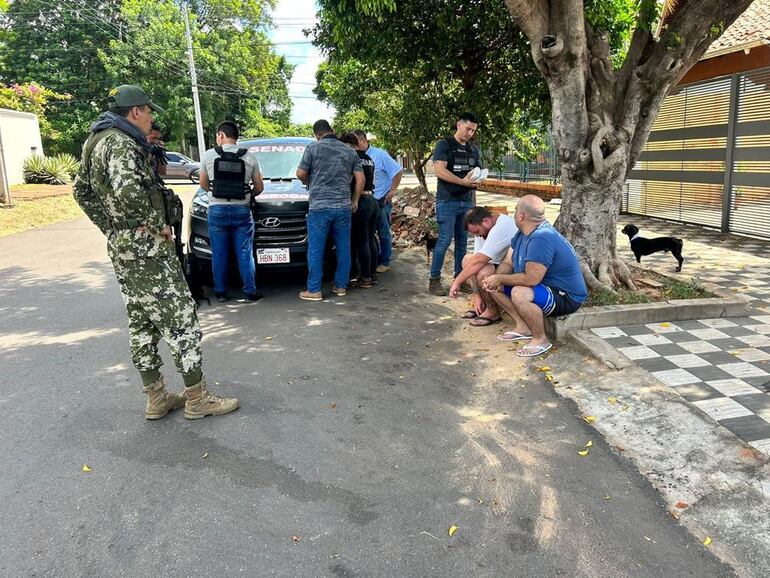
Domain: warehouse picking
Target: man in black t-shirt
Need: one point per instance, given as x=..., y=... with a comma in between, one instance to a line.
x=454, y=159
x=364, y=250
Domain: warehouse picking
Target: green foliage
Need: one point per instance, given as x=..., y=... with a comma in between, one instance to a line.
x=69, y=163
x=615, y=19
x=431, y=61
x=82, y=49
x=55, y=170
x=717, y=29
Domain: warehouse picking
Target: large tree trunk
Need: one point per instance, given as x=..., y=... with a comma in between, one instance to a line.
x=603, y=116
x=589, y=216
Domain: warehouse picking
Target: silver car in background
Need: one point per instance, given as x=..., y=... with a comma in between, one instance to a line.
x=182, y=167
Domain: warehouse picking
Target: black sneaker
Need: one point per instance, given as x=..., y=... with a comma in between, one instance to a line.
x=222, y=297
x=251, y=297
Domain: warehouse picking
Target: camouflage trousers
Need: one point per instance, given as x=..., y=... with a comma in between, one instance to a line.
x=158, y=304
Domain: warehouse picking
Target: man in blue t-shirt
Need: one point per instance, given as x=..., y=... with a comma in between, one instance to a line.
x=539, y=277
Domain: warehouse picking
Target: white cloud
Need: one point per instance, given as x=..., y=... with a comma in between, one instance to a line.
x=290, y=17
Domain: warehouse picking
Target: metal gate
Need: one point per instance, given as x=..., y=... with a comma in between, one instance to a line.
x=707, y=160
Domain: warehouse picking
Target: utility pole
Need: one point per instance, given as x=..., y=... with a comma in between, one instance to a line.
x=5, y=191
x=194, y=79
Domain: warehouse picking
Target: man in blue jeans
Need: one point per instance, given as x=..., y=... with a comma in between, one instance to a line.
x=454, y=159
x=231, y=225
x=387, y=177
x=327, y=168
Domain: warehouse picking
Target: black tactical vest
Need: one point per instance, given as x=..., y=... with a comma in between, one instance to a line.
x=230, y=175
x=461, y=159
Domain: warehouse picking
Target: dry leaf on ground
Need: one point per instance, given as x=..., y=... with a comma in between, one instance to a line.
x=452, y=530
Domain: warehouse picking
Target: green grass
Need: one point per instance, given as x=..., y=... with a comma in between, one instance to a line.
x=622, y=297
x=30, y=214
x=672, y=289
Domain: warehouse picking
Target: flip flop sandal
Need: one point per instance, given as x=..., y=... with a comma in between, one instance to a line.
x=513, y=336
x=533, y=351
x=470, y=314
x=484, y=321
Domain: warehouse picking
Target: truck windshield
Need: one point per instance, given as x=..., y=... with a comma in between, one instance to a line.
x=278, y=161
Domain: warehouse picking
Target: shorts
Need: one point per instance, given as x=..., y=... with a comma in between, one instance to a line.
x=553, y=302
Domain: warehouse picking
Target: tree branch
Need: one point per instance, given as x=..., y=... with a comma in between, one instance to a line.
x=533, y=17
x=693, y=27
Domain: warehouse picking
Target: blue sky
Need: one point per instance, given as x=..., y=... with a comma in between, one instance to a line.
x=290, y=17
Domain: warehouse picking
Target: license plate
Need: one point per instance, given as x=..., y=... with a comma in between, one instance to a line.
x=271, y=256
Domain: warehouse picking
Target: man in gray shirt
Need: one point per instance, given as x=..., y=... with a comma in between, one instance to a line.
x=327, y=169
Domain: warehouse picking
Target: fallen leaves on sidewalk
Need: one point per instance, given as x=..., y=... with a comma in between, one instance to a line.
x=296, y=538
x=682, y=505
x=589, y=418
x=589, y=444
x=583, y=453
x=452, y=530
x=707, y=541
x=86, y=469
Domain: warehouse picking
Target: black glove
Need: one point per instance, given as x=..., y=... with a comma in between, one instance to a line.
x=160, y=154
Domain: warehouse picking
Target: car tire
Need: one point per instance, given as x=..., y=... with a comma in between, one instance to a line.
x=195, y=176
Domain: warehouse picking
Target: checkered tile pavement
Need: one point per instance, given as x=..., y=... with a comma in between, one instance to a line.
x=722, y=366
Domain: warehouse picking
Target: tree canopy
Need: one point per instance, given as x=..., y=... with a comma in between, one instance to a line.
x=81, y=49
x=431, y=61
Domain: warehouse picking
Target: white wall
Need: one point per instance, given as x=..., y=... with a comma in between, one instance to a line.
x=20, y=132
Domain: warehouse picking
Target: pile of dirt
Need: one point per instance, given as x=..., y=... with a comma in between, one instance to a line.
x=414, y=216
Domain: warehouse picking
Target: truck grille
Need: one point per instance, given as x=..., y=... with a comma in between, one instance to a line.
x=287, y=231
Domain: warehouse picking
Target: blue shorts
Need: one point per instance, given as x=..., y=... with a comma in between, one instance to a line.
x=552, y=301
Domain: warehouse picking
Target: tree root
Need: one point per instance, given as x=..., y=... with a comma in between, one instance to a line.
x=610, y=274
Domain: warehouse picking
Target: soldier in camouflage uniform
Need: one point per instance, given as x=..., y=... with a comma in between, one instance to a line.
x=117, y=189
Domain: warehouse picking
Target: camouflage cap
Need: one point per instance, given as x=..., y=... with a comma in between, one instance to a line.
x=130, y=95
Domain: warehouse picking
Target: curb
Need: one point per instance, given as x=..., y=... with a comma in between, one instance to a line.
x=673, y=310
x=594, y=345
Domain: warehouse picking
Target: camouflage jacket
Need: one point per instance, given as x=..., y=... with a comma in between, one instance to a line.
x=120, y=195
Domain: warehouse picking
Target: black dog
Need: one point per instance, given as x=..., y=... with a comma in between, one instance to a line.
x=641, y=246
x=430, y=245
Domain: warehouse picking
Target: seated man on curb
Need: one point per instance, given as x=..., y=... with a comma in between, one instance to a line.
x=492, y=239
x=540, y=277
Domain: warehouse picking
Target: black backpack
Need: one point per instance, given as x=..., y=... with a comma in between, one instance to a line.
x=229, y=175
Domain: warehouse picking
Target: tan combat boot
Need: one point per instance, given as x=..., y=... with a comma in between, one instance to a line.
x=160, y=401
x=201, y=403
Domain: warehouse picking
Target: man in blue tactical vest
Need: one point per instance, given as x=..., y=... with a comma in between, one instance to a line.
x=454, y=159
x=229, y=173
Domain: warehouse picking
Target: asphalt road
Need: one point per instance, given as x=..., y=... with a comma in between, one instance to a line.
x=369, y=426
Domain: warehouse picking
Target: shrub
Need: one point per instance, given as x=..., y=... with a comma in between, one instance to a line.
x=69, y=163
x=56, y=170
